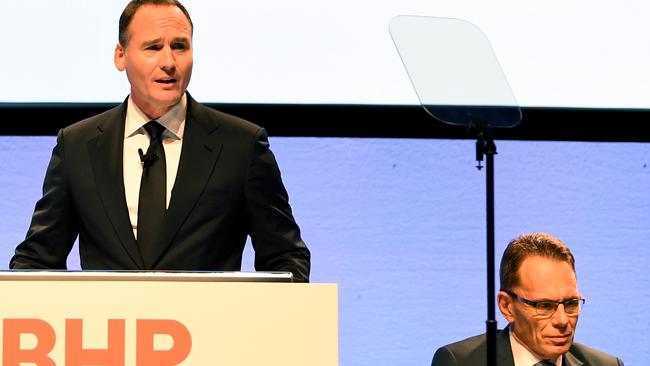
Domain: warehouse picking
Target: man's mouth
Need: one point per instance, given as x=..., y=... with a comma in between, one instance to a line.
x=166, y=81
x=560, y=339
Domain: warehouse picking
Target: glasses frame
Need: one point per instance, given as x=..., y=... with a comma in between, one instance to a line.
x=534, y=304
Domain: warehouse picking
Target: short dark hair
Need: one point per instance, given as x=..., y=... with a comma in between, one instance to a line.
x=528, y=245
x=133, y=6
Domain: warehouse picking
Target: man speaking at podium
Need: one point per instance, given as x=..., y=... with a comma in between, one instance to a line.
x=161, y=182
x=540, y=300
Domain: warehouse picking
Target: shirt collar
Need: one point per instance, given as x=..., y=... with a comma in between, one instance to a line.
x=522, y=356
x=173, y=120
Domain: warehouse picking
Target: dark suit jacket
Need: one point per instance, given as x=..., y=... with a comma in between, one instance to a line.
x=473, y=352
x=228, y=186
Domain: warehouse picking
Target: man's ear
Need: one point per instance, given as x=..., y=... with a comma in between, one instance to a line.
x=506, y=305
x=119, y=58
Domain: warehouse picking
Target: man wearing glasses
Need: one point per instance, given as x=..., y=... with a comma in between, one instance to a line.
x=539, y=298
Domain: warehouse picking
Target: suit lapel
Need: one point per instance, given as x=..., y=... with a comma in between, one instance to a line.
x=200, y=152
x=571, y=360
x=504, y=351
x=105, y=151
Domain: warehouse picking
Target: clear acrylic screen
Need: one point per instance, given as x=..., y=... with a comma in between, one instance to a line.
x=454, y=71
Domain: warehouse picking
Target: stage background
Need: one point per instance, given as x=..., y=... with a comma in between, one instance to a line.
x=400, y=225
x=583, y=53
x=398, y=222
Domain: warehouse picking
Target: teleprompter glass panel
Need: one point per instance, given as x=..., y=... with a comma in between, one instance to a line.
x=454, y=71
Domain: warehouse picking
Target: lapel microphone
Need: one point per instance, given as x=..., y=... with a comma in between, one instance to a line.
x=147, y=159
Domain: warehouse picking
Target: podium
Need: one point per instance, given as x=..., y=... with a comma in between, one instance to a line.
x=159, y=319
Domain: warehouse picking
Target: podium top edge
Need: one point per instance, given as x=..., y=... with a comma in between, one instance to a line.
x=162, y=276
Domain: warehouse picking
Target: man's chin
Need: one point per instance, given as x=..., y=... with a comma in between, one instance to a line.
x=158, y=98
x=157, y=105
x=166, y=102
x=554, y=350
x=168, y=97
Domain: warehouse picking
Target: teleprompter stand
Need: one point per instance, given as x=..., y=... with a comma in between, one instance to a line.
x=485, y=146
x=459, y=81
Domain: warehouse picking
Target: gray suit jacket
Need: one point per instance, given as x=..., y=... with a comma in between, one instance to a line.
x=228, y=186
x=473, y=352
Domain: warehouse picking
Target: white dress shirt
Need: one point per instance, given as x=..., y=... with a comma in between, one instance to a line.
x=135, y=137
x=523, y=357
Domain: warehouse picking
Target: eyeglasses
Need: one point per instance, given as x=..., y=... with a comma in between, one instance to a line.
x=548, y=308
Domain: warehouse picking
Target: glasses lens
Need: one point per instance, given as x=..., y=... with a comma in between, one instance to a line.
x=572, y=307
x=548, y=308
x=545, y=308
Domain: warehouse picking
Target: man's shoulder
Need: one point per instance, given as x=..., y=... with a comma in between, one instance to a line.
x=221, y=120
x=96, y=122
x=592, y=356
x=472, y=351
x=469, y=344
x=463, y=352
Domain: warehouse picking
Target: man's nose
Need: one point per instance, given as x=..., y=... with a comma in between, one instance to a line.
x=560, y=317
x=167, y=60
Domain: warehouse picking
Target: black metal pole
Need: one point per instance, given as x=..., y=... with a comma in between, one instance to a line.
x=491, y=323
x=485, y=147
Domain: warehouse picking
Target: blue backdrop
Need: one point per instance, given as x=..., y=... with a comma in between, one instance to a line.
x=399, y=224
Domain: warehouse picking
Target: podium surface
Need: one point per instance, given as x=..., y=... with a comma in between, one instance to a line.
x=131, y=318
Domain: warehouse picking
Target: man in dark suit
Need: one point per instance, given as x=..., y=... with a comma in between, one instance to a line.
x=207, y=181
x=540, y=300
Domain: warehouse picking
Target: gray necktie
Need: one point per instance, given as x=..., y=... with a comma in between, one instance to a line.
x=544, y=363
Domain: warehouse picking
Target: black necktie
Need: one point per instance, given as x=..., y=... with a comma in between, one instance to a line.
x=153, y=201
